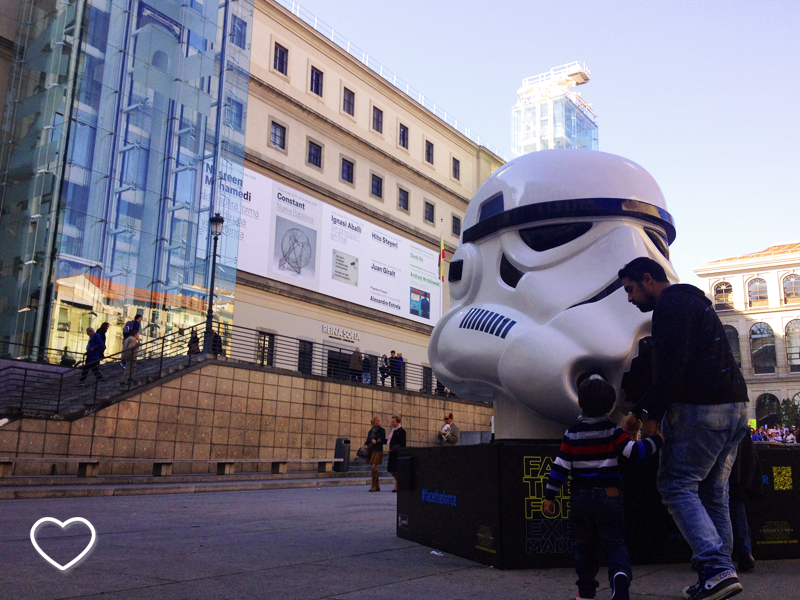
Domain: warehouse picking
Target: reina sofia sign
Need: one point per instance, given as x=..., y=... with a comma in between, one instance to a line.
x=341, y=333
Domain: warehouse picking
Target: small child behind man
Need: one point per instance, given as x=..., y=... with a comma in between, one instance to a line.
x=589, y=453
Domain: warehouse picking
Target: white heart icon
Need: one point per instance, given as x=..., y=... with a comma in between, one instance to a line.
x=62, y=525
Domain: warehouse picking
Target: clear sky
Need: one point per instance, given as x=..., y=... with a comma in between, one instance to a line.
x=701, y=94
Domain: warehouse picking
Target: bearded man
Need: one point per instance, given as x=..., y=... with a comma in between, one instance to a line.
x=700, y=396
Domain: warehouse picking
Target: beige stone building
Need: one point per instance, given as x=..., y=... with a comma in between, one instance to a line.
x=757, y=297
x=323, y=124
x=383, y=171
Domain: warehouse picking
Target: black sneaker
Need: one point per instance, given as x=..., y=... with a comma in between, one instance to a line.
x=716, y=584
x=620, y=586
x=80, y=384
x=692, y=589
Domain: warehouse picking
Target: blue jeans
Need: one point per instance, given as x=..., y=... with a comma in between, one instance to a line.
x=742, y=548
x=695, y=463
x=598, y=524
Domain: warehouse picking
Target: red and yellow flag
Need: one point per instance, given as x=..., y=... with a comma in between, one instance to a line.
x=441, y=259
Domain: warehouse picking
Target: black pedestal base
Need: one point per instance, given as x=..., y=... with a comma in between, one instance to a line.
x=484, y=503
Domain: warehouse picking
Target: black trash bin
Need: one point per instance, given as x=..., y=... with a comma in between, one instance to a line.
x=342, y=451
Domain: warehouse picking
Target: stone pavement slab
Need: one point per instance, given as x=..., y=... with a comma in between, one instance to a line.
x=312, y=543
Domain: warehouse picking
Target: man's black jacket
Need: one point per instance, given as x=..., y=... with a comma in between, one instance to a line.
x=693, y=360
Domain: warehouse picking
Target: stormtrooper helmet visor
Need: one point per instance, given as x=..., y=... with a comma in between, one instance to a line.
x=492, y=218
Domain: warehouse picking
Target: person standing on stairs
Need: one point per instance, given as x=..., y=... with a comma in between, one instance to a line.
x=94, y=347
x=132, y=327
x=130, y=348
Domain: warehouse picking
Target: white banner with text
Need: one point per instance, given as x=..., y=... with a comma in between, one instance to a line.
x=291, y=237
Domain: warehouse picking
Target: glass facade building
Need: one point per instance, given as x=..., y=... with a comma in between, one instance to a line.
x=123, y=131
x=549, y=114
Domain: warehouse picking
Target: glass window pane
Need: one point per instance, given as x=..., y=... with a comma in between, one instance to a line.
x=404, y=136
x=377, y=186
x=762, y=348
x=757, y=292
x=402, y=199
x=349, y=102
x=316, y=81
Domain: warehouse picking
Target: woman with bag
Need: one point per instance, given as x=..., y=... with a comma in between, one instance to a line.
x=376, y=438
x=396, y=440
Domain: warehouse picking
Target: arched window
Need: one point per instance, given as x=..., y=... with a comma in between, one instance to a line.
x=762, y=348
x=793, y=345
x=733, y=340
x=768, y=410
x=796, y=401
x=791, y=289
x=723, y=295
x=757, y=292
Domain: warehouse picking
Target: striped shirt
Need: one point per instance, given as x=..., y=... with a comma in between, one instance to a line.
x=589, y=452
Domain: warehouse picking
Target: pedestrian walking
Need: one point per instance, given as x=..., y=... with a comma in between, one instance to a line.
x=102, y=331
x=383, y=368
x=130, y=352
x=394, y=374
x=401, y=371
x=93, y=353
x=700, y=396
x=376, y=438
x=194, y=343
x=356, y=360
x=132, y=327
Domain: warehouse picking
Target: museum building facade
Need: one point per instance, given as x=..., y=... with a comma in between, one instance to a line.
x=757, y=297
x=129, y=123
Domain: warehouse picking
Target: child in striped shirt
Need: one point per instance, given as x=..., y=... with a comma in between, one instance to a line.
x=589, y=454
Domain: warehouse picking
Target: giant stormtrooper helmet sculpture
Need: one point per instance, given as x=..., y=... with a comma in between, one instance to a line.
x=536, y=301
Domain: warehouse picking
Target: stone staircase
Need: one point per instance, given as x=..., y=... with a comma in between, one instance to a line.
x=75, y=397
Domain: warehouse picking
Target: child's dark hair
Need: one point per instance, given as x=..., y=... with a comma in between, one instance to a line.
x=596, y=397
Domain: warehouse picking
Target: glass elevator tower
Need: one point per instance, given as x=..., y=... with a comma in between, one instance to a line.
x=550, y=114
x=124, y=130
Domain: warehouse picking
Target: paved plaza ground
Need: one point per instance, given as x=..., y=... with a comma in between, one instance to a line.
x=333, y=543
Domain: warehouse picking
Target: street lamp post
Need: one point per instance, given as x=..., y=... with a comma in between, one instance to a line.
x=216, y=222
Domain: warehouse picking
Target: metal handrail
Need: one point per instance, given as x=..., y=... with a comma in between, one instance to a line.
x=26, y=352
x=36, y=391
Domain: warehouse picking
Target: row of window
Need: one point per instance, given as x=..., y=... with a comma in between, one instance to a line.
x=762, y=346
x=757, y=292
x=281, y=64
x=277, y=138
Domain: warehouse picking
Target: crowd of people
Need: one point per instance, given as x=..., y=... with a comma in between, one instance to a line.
x=779, y=434
x=391, y=367
x=372, y=450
